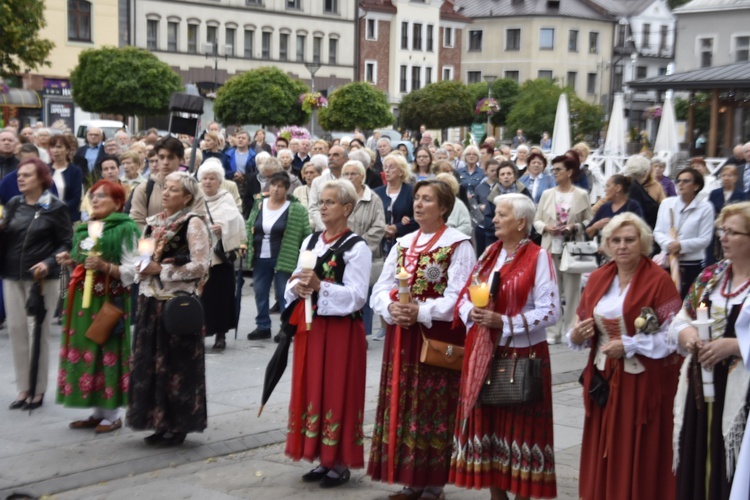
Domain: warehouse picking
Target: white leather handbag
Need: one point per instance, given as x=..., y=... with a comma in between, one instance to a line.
x=579, y=257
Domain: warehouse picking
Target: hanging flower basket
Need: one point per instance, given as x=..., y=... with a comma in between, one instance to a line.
x=312, y=100
x=652, y=113
x=487, y=106
x=294, y=132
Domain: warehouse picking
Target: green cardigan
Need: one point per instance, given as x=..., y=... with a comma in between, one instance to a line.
x=297, y=229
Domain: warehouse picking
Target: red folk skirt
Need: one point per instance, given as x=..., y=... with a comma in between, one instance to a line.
x=508, y=448
x=427, y=410
x=328, y=393
x=626, y=452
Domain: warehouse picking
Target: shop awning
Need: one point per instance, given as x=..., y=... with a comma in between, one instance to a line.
x=20, y=98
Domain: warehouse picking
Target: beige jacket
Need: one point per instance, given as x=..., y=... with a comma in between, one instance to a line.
x=139, y=211
x=546, y=214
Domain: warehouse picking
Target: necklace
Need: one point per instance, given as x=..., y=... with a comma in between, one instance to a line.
x=334, y=237
x=412, y=255
x=726, y=287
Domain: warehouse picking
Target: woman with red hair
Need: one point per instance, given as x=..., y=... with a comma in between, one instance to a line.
x=94, y=375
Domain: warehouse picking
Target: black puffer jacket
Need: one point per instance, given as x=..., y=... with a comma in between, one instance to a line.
x=34, y=234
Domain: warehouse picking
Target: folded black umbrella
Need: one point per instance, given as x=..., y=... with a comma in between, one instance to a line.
x=277, y=365
x=35, y=307
x=238, y=284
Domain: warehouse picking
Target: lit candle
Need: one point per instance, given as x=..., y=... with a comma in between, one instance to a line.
x=480, y=294
x=307, y=261
x=146, y=247
x=702, y=312
x=404, y=291
x=95, y=228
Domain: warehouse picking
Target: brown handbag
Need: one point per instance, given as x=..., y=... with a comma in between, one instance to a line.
x=441, y=354
x=106, y=319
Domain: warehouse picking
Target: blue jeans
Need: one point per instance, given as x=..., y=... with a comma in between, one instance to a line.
x=263, y=275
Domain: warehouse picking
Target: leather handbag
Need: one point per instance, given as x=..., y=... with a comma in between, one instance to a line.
x=107, y=319
x=513, y=380
x=183, y=315
x=441, y=354
x=579, y=257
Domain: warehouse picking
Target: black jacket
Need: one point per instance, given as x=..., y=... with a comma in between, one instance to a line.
x=29, y=239
x=80, y=160
x=7, y=165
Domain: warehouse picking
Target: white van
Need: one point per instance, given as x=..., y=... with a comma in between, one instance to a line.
x=109, y=127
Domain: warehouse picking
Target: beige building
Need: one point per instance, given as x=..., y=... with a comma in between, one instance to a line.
x=570, y=41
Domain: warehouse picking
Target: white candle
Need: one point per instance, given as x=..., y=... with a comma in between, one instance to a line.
x=146, y=246
x=702, y=312
x=95, y=229
x=307, y=261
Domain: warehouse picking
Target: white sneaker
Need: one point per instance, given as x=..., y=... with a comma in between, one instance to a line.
x=379, y=335
x=552, y=339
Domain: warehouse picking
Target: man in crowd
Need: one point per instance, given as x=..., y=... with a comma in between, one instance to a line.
x=241, y=158
x=8, y=160
x=426, y=139
x=337, y=156
x=281, y=143
x=518, y=139
x=301, y=156
x=384, y=148
x=88, y=156
x=122, y=138
x=28, y=134
x=152, y=135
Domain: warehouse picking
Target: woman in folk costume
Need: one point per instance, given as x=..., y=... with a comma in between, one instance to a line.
x=328, y=378
x=411, y=442
x=626, y=452
x=508, y=449
x=708, y=431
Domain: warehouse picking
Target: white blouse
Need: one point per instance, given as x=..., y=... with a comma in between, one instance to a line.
x=335, y=299
x=694, y=224
x=441, y=308
x=542, y=307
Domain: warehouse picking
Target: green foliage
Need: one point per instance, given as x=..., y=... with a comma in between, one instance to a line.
x=356, y=105
x=701, y=111
x=264, y=96
x=673, y=4
x=438, y=105
x=535, y=110
x=123, y=81
x=504, y=90
x=20, y=45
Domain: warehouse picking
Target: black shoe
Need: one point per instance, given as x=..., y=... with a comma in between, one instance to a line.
x=332, y=482
x=17, y=405
x=259, y=334
x=221, y=343
x=314, y=476
x=33, y=405
x=154, y=438
x=274, y=309
x=175, y=439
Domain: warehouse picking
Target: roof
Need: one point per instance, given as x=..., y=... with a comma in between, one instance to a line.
x=584, y=9
x=448, y=13
x=625, y=7
x=732, y=76
x=711, y=6
x=378, y=6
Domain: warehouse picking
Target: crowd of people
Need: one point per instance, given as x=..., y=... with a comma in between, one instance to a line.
x=472, y=253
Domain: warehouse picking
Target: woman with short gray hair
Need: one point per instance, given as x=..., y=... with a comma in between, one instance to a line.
x=285, y=157
x=645, y=190
x=657, y=170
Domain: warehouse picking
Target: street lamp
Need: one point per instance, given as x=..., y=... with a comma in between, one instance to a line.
x=215, y=56
x=313, y=68
x=490, y=79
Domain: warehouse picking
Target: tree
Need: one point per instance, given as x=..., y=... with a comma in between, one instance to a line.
x=123, y=81
x=356, y=105
x=21, y=21
x=586, y=119
x=701, y=110
x=534, y=112
x=263, y=96
x=504, y=90
x=438, y=105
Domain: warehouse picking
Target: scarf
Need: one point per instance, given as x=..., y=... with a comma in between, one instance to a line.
x=165, y=227
x=223, y=211
x=119, y=229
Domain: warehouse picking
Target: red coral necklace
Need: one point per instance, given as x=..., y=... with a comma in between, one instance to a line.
x=410, y=259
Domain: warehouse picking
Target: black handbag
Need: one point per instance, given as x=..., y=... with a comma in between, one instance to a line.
x=513, y=381
x=183, y=315
x=599, y=388
x=224, y=256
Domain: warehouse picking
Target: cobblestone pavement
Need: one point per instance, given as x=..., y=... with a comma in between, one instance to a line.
x=238, y=456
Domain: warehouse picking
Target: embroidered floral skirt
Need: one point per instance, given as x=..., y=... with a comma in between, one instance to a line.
x=508, y=448
x=328, y=393
x=168, y=378
x=90, y=375
x=426, y=411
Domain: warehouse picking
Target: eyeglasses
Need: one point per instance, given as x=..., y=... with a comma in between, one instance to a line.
x=683, y=181
x=556, y=170
x=729, y=233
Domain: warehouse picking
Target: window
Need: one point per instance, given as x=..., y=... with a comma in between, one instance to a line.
x=284, y=46
x=212, y=38
x=405, y=36
x=192, y=36
x=640, y=72
x=430, y=29
x=571, y=79
x=663, y=37
x=371, y=71
x=152, y=34
x=249, y=36
x=573, y=41
x=547, y=39
x=79, y=21
x=447, y=73
x=333, y=50
x=621, y=34
x=300, y=48
x=427, y=76
x=512, y=75
x=662, y=71
x=293, y=4
x=646, y=42
x=416, y=41
x=317, y=47
x=265, y=45
x=402, y=80
x=513, y=39
x=593, y=42
x=254, y=2
x=173, y=34
x=591, y=83
x=448, y=37
x=706, y=48
x=371, y=29
x=742, y=48
x=475, y=41
x=230, y=41
x=416, y=81
x=618, y=79
x=331, y=7
x=546, y=74
x=474, y=76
